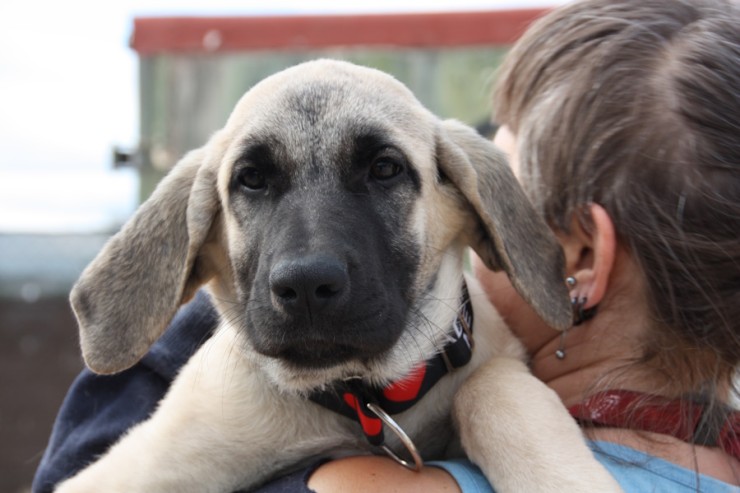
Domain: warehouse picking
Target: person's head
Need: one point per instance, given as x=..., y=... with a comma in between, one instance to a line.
x=634, y=105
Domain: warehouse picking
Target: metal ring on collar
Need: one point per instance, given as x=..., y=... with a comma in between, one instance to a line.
x=387, y=420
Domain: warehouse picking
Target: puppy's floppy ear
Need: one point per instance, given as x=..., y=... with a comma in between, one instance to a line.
x=511, y=236
x=129, y=293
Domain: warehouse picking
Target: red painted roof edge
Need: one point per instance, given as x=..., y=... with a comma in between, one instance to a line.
x=153, y=35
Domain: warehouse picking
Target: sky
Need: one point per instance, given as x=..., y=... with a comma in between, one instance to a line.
x=69, y=94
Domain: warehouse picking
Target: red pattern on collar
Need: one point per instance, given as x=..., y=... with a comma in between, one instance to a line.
x=406, y=390
x=682, y=419
x=350, y=397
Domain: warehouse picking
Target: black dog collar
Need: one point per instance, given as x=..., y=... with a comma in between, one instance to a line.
x=351, y=397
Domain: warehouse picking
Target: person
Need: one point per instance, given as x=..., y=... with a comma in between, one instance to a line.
x=622, y=122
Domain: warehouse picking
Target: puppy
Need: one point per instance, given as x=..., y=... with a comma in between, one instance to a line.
x=329, y=219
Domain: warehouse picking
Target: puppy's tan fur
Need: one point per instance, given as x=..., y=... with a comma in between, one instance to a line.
x=234, y=418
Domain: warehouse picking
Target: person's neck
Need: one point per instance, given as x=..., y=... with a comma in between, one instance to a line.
x=599, y=357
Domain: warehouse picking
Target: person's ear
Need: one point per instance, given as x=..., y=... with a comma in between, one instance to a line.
x=590, y=253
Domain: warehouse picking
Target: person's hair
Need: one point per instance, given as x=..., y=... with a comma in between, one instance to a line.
x=635, y=105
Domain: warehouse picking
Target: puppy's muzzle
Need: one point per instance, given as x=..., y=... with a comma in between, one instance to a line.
x=322, y=310
x=312, y=293
x=309, y=286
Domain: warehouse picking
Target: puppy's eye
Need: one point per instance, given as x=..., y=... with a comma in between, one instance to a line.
x=252, y=178
x=385, y=169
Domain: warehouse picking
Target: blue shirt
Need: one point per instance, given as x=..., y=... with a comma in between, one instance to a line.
x=635, y=471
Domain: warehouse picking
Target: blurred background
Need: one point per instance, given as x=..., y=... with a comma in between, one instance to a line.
x=99, y=99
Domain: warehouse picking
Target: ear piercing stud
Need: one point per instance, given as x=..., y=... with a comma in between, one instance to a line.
x=580, y=314
x=560, y=352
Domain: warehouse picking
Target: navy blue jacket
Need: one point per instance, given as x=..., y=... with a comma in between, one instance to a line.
x=99, y=409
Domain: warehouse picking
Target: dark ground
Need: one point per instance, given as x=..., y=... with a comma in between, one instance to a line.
x=39, y=358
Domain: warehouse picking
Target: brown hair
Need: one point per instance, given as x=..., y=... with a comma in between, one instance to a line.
x=635, y=105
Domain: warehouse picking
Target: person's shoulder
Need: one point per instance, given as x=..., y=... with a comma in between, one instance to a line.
x=637, y=471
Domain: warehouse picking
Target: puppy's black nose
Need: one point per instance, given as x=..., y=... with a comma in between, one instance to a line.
x=306, y=286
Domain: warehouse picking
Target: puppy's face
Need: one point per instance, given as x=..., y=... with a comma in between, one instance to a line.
x=329, y=216
x=327, y=188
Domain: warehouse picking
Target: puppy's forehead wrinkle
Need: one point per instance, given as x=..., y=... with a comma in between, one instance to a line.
x=315, y=118
x=330, y=104
x=314, y=102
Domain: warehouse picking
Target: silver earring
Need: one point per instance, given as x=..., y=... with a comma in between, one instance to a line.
x=577, y=306
x=560, y=352
x=580, y=315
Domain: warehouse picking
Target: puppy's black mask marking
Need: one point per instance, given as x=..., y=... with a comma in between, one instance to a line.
x=327, y=257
